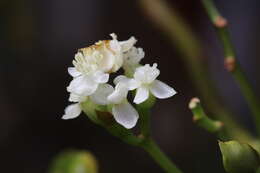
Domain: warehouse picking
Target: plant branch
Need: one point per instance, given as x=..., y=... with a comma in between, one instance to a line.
x=174, y=26
x=201, y=119
x=231, y=63
x=152, y=148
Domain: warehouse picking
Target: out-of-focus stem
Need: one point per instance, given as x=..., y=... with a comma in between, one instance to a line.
x=231, y=63
x=161, y=159
x=176, y=29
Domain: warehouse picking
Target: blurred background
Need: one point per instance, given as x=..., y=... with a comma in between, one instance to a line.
x=38, y=41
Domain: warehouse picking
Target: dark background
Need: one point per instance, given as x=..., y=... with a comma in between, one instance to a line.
x=38, y=40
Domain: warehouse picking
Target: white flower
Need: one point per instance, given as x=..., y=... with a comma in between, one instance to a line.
x=106, y=55
x=123, y=112
x=86, y=84
x=132, y=58
x=120, y=48
x=145, y=78
x=99, y=97
x=92, y=64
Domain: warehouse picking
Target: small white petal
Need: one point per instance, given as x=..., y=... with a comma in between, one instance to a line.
x=130, y=83
x=100, y=77
x=108, y=60
x=114, y=36
x=120, y=78
x=101, y=94
x=142, y=94
x=146, y=74
x=119, y=94
x=82, y=85
x=73, y=72
x=133, y=57
x=115, y=46
x=133, y=84
x=128, y=44
x=125, y=114
x=161, y=90
x=72, y=111
x=76, y=98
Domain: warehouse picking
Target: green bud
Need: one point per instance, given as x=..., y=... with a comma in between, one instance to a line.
x=74, y=162
x=239, y=157
x=99, y=114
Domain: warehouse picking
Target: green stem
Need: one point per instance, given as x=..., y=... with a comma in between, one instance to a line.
x=152, y=148
x=201, y=119
x=144, y=121
x=177, y=30
x=231, y=62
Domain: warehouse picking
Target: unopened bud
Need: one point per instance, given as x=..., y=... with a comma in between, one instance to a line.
x=99, y=114
x=74, y=162
x=239, y=157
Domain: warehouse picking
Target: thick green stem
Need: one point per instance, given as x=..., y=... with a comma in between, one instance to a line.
x=152, y=148
x=231, y=62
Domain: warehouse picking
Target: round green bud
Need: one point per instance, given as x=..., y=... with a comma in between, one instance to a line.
x=74, y=161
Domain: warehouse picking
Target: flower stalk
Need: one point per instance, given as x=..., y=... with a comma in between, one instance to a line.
x=152, y=148
x=144, y=140
x=231, y=63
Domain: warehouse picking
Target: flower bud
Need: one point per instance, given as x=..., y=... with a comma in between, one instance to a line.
x=99, y=114
x=74, y=161
x=239, y=157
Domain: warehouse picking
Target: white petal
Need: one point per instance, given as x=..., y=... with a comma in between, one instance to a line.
x=73, y=72
x=114, y=36
x=161, y=90
x=128, y=44
x=133, y=57
x=120, y=78
x=142, y=94
x=108, y=60
x=133, y=84
x=76, y=98
x=101, y=94
x=82, y=85
x=72, y=111
x=130, y=83
x=118, y=62
x=115, y=46
x=146, y=74
x=125, y=114
x=119, y=94
x=100, y=77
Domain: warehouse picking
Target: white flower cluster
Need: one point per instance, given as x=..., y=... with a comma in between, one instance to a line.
x=92, y=66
